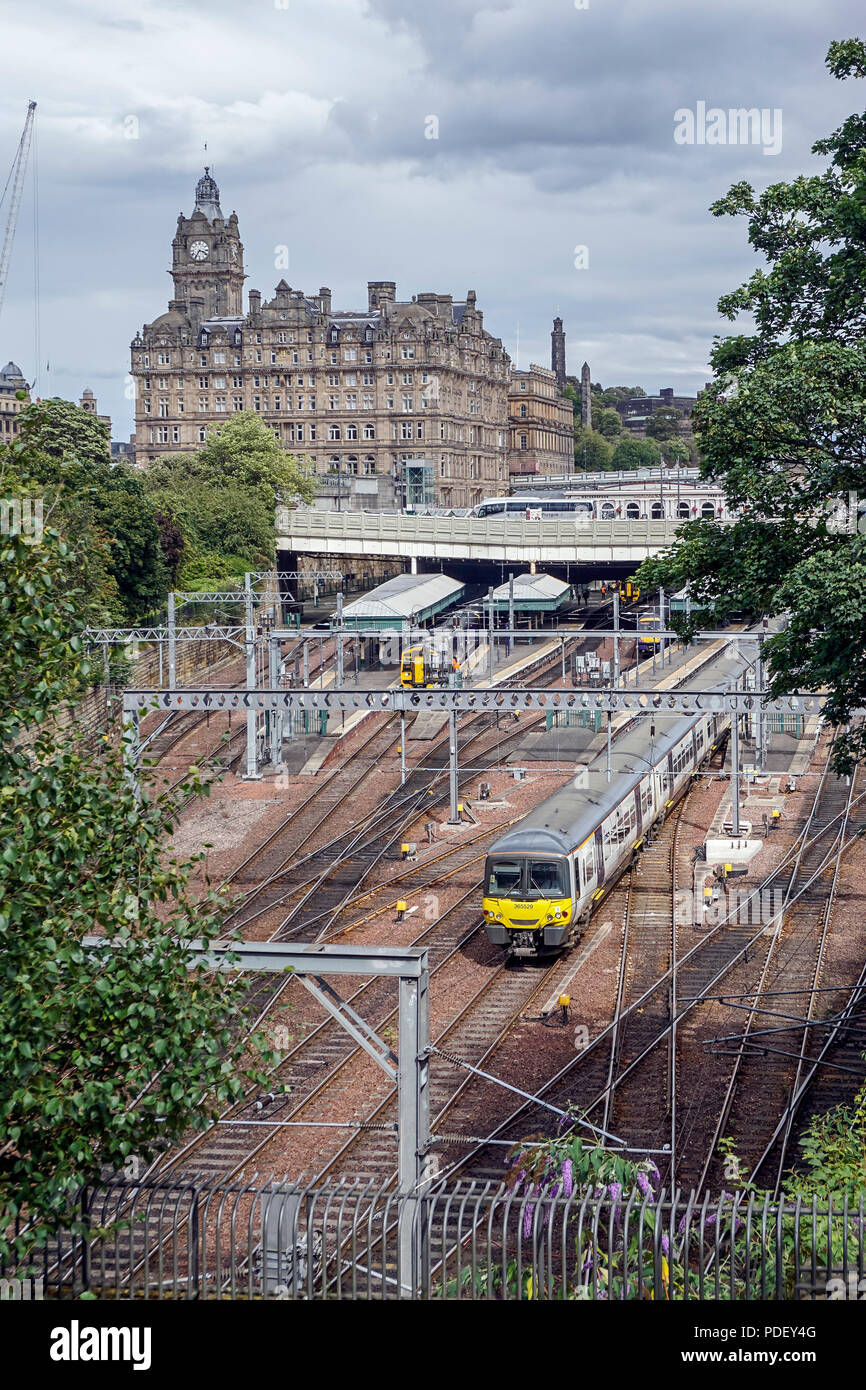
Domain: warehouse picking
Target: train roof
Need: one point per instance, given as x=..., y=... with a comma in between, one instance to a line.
x=564, y=820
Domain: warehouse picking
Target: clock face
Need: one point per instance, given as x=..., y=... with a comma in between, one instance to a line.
x=198, y=250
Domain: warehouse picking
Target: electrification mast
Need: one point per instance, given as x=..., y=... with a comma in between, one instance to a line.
x=17, y=180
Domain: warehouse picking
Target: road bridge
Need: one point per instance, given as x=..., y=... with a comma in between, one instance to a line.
x=568, y=540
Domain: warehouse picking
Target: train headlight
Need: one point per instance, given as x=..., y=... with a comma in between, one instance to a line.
x=557, y=912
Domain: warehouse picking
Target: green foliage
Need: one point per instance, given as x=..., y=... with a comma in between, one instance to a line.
x=635, y=453
x=64, y=432
x=109, y=1054
x=63, y=451
x=592, y=450
x=608, y=422
x=782, y=427
x=242, y=452
x=664, y=423
x=222, y=500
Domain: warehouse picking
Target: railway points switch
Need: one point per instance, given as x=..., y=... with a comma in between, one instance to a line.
x=409, y=850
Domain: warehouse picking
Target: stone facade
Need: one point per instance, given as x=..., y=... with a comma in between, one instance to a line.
x=11, y=382
x=540, y=424
x=410, y=396
x=88, y=402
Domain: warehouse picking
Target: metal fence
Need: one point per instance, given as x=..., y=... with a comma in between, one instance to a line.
x=180, y=1239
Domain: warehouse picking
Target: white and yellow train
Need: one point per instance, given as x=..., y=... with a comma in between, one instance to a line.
x=543, y=878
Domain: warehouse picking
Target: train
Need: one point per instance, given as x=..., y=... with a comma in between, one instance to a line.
x=544, y=878
x=427, y=665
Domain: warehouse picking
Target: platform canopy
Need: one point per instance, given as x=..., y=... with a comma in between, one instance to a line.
x=405, y=600
x=533, y=593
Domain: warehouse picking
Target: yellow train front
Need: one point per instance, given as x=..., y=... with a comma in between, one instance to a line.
x=423, y=668
x=529, y=900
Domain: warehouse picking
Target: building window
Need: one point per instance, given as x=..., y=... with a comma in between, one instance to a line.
x=162, y=434
x=237, y=402
x=202, y=434
x=405, y=429
x=350, y=354
x=219, y=357
x=333, y=402
x=351, y=400
x=202, y=361
x=369, y=464
x=312, y=430
x=180, y=405
x=368, y=378
x=220, y=404
x=202, y=383
x=523, y=412
x=333, y=379
x=300, y=430
x=257, y=402
x=333, y=359
x=175, y=434
x=407, y=352
x=407, y=378
x=351, y=431
x=163, y=408
x=367, y=400
x=277, y=402
x=202, y=405
x=389, y=401
x=333, y=431
x=369, y=431
x=523, y=441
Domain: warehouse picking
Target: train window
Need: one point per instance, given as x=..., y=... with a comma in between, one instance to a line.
x=588, y=866
x=646, y=795
x=504, y=877
x=546, y=879
x=682, y=758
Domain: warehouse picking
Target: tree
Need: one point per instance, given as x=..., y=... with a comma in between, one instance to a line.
x=592, y=450
x=664, y=423
x=243, y=451
x=608, y=423
x=635, y=453
x=65, y=433
x=782, y=428
x=675, y=451
x=107, y=1055
x=64, y=452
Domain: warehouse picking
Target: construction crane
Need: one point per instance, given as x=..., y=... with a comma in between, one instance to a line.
x=16, y=178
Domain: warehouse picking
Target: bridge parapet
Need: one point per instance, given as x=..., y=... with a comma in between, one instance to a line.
x=550, y=540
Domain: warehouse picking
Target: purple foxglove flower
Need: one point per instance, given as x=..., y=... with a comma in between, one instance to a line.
x=643, y=1183
x=615, y=1191
x=666, y=1247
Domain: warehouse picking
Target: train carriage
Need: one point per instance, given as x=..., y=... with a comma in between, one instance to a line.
x=543, y=878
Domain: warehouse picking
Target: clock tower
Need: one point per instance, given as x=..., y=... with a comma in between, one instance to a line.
x=208, y=257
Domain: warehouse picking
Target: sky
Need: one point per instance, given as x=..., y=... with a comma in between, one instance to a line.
x=530, y=150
